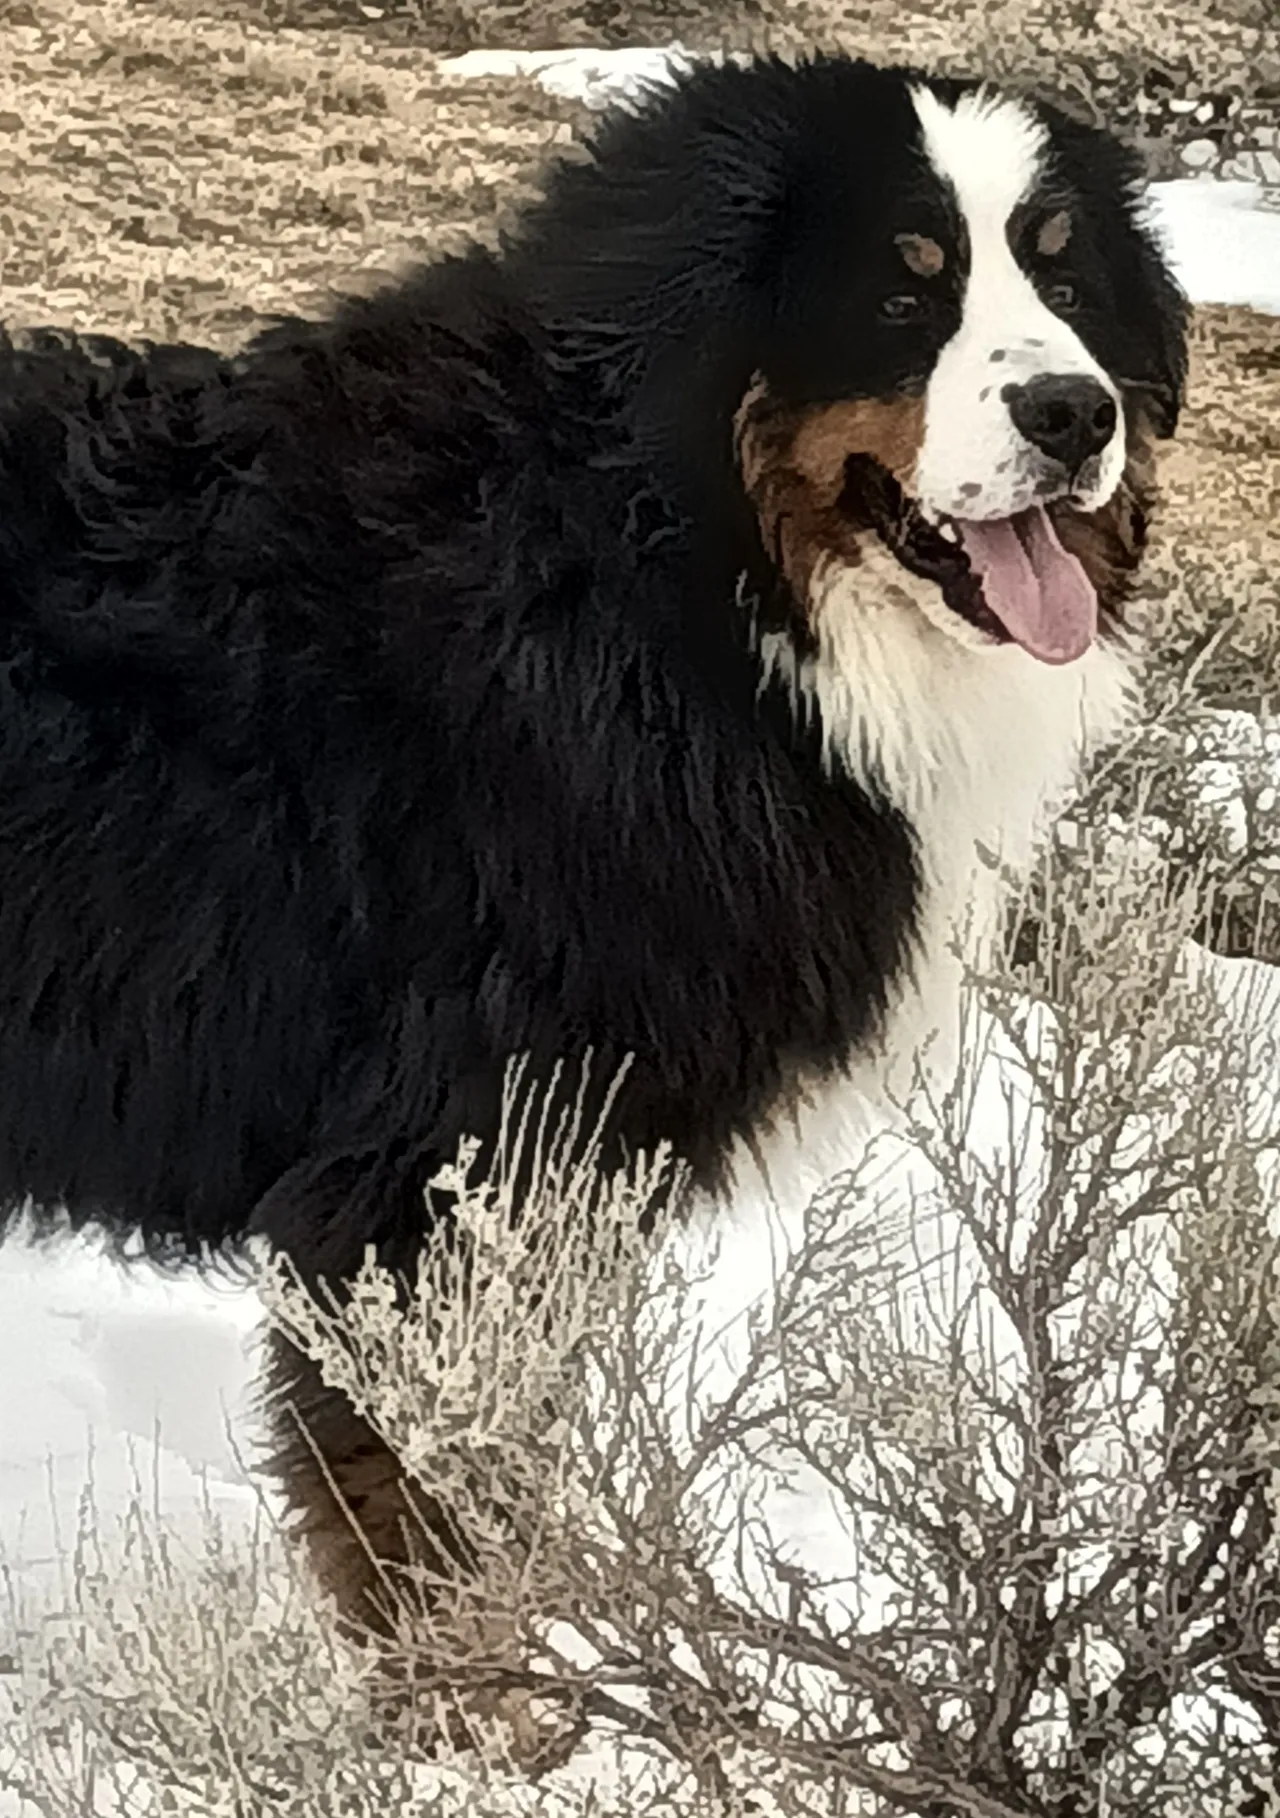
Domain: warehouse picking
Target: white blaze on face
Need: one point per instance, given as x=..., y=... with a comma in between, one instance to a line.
x=973, y=462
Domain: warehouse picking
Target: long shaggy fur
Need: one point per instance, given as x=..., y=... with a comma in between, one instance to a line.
x=387, y=701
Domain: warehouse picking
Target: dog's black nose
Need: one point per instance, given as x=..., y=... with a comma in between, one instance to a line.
x=1066, y=415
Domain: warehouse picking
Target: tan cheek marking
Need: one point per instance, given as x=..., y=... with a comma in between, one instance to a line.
x=890, y=430
x=793, y=463
x=922, y=255
x=1054, y=234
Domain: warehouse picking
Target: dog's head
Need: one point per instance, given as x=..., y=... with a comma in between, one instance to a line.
x=931, y=314
x=978, y=388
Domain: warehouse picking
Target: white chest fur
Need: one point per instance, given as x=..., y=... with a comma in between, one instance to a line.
x=977, y=745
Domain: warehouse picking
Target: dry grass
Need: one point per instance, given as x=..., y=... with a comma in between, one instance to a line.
x=1216, y=33
x=166, y=181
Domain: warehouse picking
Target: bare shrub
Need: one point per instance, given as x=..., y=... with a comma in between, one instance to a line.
x=972, y=1510
x=1038, y=1392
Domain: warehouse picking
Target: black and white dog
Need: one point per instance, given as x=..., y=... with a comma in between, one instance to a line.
x=621, y=643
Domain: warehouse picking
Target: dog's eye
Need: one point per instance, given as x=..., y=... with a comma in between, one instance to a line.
x=1062, y=294
x=901, y=308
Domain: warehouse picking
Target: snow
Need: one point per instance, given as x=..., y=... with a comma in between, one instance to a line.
x=120, y=1375
x=136, y=1379
x=1223, y=239
x=598, y=78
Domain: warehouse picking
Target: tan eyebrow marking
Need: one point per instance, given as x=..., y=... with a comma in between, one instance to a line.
x=1054, y=234
x=922, y=255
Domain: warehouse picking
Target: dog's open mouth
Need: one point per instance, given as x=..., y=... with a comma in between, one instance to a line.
x=1009, y=577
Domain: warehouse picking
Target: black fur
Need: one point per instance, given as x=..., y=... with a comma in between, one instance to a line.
x=377, y=705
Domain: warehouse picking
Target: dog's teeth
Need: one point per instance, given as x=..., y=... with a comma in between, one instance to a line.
x=948, y=530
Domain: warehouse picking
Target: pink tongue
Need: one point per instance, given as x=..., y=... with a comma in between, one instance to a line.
x=1039, y=593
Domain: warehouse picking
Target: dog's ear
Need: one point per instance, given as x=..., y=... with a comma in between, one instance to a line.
x=650, y=229
x=1160, y=313
x=648, y=262
x=651, y=237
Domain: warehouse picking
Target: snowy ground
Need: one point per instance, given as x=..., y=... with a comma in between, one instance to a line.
x=133, y=1379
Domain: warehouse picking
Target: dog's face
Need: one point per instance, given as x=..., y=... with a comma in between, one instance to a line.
x=975, y=344
x=1018, y=411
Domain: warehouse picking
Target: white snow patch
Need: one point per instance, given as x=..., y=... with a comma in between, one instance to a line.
x=598, y=78
x=1222, y=239
x=120, y=1376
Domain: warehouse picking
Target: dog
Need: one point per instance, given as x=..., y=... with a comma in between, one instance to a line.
x=635, y=639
